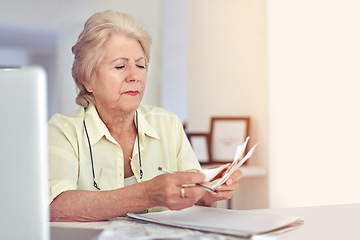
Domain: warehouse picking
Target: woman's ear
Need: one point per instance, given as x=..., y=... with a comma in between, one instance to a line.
x=87, y=86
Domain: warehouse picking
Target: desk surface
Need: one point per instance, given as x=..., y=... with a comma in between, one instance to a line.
x=324, y=222
x=321, y=222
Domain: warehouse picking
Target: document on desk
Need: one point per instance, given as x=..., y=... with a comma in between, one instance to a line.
x=216, y=220
x=130, y=228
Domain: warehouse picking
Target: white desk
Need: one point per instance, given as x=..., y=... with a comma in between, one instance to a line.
x=324, y=222
x=321, y=222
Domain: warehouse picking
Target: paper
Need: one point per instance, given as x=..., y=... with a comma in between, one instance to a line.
x=224, y=221
x=210, y=173
x=231, y=168
x=129, y=228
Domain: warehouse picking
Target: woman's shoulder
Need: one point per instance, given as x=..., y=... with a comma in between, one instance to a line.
x=73, y=118
x=66, y=128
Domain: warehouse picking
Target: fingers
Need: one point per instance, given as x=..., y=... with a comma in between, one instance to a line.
x=225, y=191
x=193, y=192
x=167, y=190
x=235, y=177
x=225, y=187
x=183, y=178
x=232, y=183
x=185, y=197
x=223, y=195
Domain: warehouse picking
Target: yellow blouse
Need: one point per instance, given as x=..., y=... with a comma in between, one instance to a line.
x=162, y=143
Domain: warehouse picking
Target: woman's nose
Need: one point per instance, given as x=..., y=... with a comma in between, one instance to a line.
x=132, y=73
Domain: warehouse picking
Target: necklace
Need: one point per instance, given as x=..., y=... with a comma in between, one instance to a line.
x=91, y=155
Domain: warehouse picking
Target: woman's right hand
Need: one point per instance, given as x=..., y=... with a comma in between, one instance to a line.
x=165, y=190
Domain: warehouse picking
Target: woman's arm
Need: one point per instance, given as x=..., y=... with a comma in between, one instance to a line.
x=163, y=190
x=83, y=205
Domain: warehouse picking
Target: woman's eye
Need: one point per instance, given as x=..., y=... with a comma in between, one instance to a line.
x=141, y=66
x=119, y=67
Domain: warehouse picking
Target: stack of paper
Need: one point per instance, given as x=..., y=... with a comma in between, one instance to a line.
x=231, y=222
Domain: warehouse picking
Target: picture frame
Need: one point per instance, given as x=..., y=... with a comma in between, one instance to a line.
x=226, y=133
x=200, y=143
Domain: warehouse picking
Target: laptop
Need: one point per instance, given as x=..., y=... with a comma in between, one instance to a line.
x=23, y=154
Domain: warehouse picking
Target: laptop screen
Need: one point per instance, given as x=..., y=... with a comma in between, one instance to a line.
x=23, y=154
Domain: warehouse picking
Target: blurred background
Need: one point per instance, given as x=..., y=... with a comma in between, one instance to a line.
x=292, y=66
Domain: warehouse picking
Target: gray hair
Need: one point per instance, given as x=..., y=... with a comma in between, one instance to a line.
x=88, y=49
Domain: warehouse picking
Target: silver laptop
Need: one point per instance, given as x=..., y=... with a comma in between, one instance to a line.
x=23, y=154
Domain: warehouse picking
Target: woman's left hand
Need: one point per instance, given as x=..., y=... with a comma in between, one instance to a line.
x=224, y=191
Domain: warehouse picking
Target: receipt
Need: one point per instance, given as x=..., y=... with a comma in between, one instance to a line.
x=210, y=173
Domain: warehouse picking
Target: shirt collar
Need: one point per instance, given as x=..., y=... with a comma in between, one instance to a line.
x=144, y=126
x=95, y=126
x=97, y=129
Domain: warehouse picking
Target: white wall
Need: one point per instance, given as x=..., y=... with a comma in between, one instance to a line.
x=174, y=58
x=227, y=65
x=12, y=57
x=314, y=82
x=227, y=76
x=22, y=46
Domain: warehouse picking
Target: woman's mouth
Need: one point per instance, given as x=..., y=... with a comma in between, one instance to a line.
x=131, y=93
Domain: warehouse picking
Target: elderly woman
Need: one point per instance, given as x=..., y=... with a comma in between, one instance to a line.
x=104, y=157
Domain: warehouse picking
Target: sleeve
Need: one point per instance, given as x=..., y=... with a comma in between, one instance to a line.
x=63, y=160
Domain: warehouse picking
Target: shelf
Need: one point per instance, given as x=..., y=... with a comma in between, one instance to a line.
x=248, y=171
x=253, y=171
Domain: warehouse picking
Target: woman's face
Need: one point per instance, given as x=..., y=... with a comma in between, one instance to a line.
x=121, y=77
